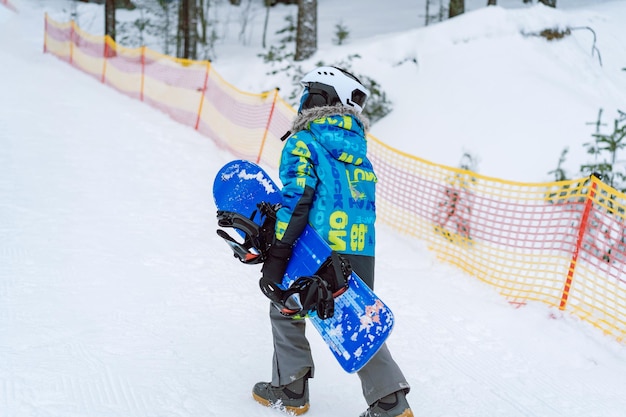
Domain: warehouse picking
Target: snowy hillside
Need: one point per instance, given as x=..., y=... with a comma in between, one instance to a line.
x=483, y=83
x=118, y=299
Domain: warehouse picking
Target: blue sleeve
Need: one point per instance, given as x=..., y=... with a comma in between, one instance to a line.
x=297, y=173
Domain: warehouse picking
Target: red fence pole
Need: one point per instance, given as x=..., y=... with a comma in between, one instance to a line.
x=204, y=87
x=104, y=59
x=579, y=241
x=71, y=42
x=267, y=126
x=143, y=70
x=45, y=32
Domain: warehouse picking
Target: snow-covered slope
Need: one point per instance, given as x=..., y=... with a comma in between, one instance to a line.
x=118, y=299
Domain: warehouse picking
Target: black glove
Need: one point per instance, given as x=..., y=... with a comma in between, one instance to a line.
x=274, y=269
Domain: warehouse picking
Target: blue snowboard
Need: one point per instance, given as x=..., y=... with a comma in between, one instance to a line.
x=361, y=322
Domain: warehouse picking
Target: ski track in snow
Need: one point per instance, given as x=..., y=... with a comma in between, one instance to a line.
x=118, y=299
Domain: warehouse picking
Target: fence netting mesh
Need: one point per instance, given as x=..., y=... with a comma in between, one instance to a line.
x=559, y=243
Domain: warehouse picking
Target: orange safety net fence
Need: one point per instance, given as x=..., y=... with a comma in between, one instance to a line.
x=559, y=243
x=191, y=92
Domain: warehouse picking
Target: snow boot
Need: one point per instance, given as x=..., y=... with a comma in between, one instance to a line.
x=393, y=405
x=290, y=398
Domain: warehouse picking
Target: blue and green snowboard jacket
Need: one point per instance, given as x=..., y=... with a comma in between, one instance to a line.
x=328, y=181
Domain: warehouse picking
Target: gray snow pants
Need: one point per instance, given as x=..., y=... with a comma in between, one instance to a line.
x=292, y=360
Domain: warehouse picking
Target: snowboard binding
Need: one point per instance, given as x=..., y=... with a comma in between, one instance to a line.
x=307, y=294
x=316, y=294
x=257, y=239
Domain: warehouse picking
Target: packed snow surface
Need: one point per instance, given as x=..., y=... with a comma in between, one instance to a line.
x=118, y=299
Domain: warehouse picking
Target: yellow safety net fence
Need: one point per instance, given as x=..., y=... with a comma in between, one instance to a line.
x=560, y=243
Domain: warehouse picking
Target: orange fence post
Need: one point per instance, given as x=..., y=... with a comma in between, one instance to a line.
x=143, y=70
x=45, y=32
x=104, y=58
x=267, y=126
x=204, y=87
x=72, y=42
x=579, y=241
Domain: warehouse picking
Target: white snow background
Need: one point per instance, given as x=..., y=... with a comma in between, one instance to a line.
x=117, y=298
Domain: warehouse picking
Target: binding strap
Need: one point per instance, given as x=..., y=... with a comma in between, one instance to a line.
x=257, y=238
x=316, y=293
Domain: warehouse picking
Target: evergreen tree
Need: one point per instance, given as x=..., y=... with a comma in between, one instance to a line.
x=605, y=149
x=341, y=34
x=154, y=27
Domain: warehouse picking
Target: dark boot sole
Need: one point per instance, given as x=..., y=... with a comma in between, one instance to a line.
x=289, y=409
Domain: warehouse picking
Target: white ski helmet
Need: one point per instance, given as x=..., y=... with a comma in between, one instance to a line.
x=328, y=86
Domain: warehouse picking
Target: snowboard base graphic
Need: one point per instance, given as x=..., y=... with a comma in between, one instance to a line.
x=361, y=322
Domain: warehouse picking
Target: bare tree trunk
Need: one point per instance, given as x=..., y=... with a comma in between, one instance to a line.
x=492, y=2
x=109, y=18
x=306, y=33
x=202, y=37
x=442, y=11
x=268, y=5
x=179, y=30
x=193, y=30
x=456, y=8
x=187, y=31
x=167, y=26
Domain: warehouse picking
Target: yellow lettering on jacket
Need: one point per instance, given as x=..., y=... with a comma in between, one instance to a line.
x=336, y=236
x=281, y=228
x=347, y=158
x=357, y=237
x=347, y=122
x=362, y=175
x=301, y=149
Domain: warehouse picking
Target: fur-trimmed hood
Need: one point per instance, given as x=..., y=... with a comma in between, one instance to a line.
x=337, y=129
x=307, y=116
